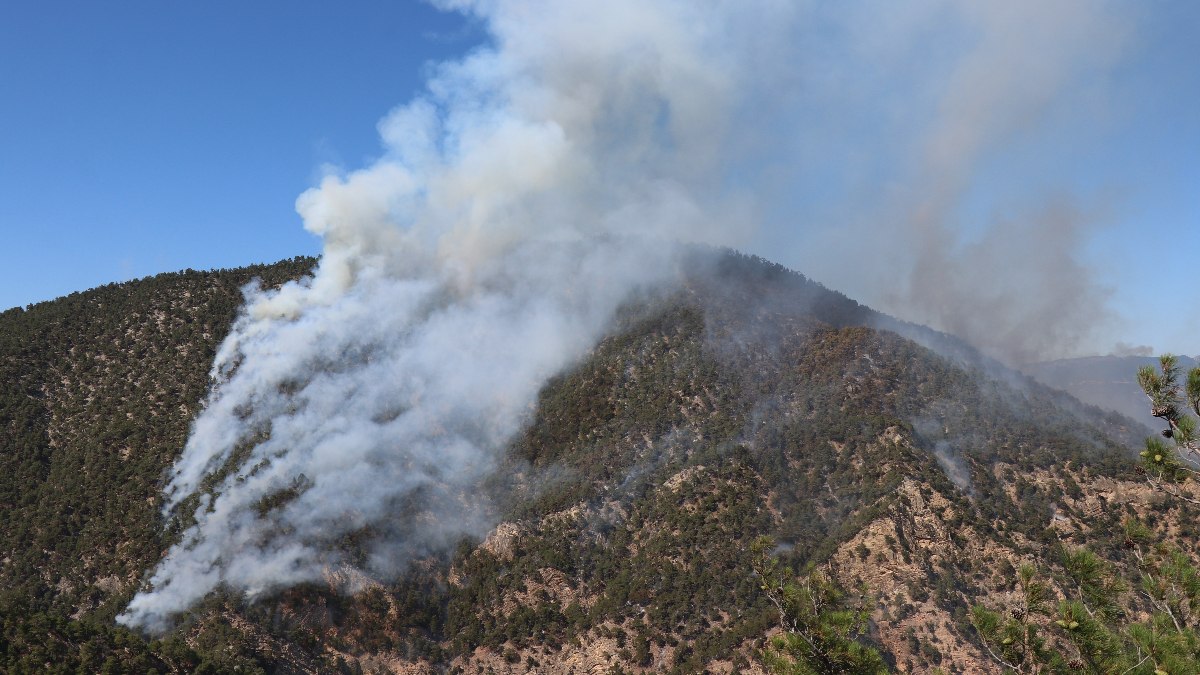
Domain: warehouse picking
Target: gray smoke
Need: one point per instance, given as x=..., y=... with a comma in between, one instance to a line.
x=1126, y=349
x=954, y=465
x=536, y=184
x=954, y=130
x=520, y=200
x=1019, y=290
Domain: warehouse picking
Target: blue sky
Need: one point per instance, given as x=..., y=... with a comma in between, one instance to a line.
x=148, y=136
x=139, y=137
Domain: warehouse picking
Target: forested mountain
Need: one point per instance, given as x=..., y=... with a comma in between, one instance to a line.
x=746, y=401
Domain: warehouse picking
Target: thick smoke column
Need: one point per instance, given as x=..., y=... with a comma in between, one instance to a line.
x=519, y=202
x=536, y=184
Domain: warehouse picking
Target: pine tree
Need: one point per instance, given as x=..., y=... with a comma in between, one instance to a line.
x=1091, y=627
x=823, y=626
x=1167, y=468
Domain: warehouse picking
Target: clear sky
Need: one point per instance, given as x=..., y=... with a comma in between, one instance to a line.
x=143, y=136
x=1148, y=168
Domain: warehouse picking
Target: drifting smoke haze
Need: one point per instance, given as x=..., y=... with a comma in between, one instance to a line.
x=1020, y=289
x=947, y=133
x=536, y=185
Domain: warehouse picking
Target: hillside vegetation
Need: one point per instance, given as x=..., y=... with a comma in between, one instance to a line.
x=748, y=401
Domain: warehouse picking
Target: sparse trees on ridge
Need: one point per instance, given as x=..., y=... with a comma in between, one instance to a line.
x=1073, y=612
x=1094, y=626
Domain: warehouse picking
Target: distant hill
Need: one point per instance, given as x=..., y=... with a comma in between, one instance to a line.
x=1108, y=382
x=747, y=400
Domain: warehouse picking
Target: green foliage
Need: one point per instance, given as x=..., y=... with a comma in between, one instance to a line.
x=1016, y=639
x=33, y=641
x=1178, y=407
x=1095, y=581
x=1098, y=631
x=823, y=627
x=1171, y=582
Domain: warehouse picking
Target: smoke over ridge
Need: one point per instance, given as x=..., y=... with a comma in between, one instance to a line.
x=519, y=201
x=937, y=162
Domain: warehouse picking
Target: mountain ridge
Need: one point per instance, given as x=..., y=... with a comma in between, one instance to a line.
x=1108, y=382
x=748, y=400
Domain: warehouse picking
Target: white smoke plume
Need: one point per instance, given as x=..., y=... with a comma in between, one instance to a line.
x=531, y=189
x=535, y=185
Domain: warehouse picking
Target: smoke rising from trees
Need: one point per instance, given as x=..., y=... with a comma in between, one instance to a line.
x=520, y=200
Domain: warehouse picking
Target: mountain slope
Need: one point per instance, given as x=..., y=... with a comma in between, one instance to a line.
x=746, y=401
x=99, y=388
